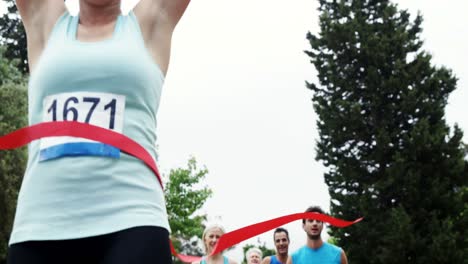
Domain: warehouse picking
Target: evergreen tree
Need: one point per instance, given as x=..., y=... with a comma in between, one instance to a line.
x=13, y=36
x=13, y=107
x=390, y=155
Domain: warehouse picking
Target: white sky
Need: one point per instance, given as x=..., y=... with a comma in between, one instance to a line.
x=235, y=99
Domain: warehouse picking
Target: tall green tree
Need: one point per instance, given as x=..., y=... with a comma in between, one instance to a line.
x=185, y=195
x=390, y=155
x=13, y=109
x=13, y=36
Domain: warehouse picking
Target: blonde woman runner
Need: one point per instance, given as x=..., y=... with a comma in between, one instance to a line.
x=210, y=238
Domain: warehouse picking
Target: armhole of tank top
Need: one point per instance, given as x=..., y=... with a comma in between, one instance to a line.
x=338, y=255
x=141, y=40
x=131, y=15
x=57, y=26
x=138, y=34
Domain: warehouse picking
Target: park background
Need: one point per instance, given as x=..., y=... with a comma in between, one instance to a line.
x=235, y=99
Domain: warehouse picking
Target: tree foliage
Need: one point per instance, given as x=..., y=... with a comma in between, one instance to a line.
x=9, y=72
x=390, y=155
x=13, y=36
x=13, y=109
x=184, y=197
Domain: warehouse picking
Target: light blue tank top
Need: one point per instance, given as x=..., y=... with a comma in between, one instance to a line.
x=74, y=189
x=225, y=259
x=326, y=254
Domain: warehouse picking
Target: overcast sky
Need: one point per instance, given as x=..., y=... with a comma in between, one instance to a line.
x=235, y=99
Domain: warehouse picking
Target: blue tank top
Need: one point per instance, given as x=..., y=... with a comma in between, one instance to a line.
x=274, y=260
x=74, y=188
x=326, y=254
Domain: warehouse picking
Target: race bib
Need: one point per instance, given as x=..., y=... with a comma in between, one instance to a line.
x=105, y=110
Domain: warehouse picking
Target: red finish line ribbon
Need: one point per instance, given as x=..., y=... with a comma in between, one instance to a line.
x=26, y=135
